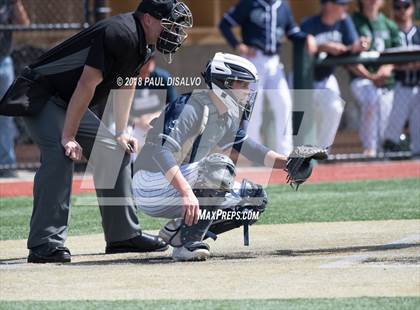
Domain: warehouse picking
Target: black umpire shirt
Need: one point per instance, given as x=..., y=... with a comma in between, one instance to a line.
x=116, y=46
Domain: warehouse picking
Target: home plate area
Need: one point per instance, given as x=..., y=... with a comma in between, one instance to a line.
x=339, y=259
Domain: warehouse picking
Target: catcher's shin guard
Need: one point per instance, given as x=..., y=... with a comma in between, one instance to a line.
x=187, y=240
x=216, y=178
x=171, y=232
x=178, y=234
x=195, y=233
x=253, y=198
x=250, y=198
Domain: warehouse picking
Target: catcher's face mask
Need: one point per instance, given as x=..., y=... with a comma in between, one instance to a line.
x=244, y=93
x=173, y=34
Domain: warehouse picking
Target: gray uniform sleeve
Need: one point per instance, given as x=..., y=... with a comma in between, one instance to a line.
x=252, y=150
x=183, y=128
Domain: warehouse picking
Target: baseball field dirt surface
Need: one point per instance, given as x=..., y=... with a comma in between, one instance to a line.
x=337, y=245
x=317, y=260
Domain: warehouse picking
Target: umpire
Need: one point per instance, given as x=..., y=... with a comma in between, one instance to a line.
x=72, y=77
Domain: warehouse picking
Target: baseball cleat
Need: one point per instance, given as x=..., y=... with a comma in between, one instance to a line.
x=192, y=251
x=185, y=254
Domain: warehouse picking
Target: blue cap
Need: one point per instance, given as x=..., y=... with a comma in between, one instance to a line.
x=337, y=1
x=409, y=2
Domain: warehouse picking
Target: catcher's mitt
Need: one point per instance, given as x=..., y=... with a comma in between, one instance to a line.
x=299, y=165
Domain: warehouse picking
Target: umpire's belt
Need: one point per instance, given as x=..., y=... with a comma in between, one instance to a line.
x=264, y=52
x=269, y=53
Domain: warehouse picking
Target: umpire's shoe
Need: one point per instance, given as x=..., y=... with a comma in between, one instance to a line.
x=58, y=255
x=142, y=243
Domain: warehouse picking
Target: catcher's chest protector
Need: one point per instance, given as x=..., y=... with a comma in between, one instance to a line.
x=174, y=110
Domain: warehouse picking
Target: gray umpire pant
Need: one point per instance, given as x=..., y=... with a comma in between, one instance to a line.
x=53, y=180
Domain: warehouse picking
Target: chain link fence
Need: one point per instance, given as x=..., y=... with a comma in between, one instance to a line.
x=50, y=22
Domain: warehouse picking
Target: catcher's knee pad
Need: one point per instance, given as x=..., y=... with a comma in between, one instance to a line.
x=217, y=172
x=216, y=177
x=171, y=232
x=251, y=204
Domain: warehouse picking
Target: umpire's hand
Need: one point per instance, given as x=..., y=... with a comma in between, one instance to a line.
x=72, y=149
x=128, y=143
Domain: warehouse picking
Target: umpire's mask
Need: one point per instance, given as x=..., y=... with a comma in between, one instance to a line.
x=173, y=33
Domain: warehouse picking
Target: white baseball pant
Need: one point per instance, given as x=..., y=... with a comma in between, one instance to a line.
x=156, y=197
x=376, y=105
x=406, y=106
x=328, y=110
x=273, y=86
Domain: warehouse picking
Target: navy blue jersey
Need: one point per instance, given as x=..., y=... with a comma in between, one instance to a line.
x=264, y=23
x=178, y=131
x=343, y=32
x=410, y=38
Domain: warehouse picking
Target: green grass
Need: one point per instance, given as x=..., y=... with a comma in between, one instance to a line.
x=15, y=214
x=384, y=303
x=351, y=201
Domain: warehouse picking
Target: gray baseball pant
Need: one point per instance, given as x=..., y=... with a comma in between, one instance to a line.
x=53, y=180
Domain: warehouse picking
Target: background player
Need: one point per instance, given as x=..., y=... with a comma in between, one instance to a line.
x=372, y=84
x=11, y=12
x=334, y=34
x=264, y=24
x=407, y=90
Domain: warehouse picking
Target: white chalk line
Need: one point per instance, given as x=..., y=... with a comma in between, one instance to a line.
x=409, y=239
x=356, y=259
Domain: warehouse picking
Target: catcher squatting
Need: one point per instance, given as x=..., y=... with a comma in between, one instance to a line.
x=182, y=139
x=176, y=175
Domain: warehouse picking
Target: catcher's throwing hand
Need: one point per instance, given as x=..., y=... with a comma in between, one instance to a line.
x=299, y=165
x=190, y=208
x=72, y=149
x=128, y=143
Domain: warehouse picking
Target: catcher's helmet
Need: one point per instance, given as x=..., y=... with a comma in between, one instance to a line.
x=222, y=71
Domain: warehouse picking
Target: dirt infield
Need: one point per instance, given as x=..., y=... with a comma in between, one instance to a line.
x=343, y=259
x=322, y=173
